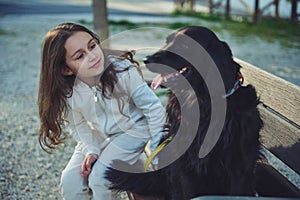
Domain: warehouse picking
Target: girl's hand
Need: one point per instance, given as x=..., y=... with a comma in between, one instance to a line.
x=87, y=164
x=155, y=166
x=156, y=82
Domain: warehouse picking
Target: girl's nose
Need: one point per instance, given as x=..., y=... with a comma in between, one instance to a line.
x=91, y=56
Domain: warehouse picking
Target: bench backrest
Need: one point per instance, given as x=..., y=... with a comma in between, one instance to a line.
x=280, y=112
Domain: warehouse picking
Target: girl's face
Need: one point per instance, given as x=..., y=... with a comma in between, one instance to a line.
x=84, y=57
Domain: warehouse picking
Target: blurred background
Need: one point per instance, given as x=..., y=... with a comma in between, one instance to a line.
x=265, y=33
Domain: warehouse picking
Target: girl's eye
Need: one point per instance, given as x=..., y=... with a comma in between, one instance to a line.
x=79, y=57
x=93, y=46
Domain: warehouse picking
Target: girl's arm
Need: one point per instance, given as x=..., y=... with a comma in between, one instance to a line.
x=88, y=139
x=146, y=100
x=82, y=133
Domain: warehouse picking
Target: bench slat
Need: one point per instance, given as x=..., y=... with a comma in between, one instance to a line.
x=281, y=138
x=278, y=94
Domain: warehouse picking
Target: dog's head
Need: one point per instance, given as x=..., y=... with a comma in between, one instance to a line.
x=189, y=49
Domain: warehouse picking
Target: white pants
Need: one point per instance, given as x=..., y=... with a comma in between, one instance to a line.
x=74, y=187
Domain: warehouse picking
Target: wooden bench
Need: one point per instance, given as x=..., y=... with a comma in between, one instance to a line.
x=280, y=111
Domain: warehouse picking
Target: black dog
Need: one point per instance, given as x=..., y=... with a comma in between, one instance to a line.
x=221, y=167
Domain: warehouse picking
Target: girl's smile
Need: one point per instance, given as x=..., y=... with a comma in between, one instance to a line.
x=96, y=65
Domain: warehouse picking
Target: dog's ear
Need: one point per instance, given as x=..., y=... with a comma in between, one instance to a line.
x=222, y=57
x=219, y=51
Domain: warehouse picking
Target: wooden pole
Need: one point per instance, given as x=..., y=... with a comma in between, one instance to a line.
x=101, y=21
x=191, y=5
x=256, y=10
x=294, y=14
x=211, y=6
x=276, y=4
x=227, y=11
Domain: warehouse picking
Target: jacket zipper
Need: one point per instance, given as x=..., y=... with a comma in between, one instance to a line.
x=96, y=99
x=94, y=90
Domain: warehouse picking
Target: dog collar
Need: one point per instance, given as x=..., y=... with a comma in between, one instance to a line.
x=236, y=86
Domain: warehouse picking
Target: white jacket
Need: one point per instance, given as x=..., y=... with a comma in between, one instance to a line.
x=95, y=120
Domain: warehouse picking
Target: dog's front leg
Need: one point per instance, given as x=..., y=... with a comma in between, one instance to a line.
x=175, y=181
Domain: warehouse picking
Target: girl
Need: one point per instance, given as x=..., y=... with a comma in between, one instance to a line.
x=102, y=96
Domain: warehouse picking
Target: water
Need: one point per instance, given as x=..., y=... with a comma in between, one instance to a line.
x=272, y=57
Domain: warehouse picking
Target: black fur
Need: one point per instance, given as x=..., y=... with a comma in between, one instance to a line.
x=229, y=168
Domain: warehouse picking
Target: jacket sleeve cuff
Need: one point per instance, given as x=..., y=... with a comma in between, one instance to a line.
x=90, y=150
x=155, y=141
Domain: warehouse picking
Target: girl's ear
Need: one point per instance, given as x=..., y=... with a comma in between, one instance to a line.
x=67, y=71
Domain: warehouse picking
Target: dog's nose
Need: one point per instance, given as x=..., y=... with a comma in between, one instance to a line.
x=148, y=60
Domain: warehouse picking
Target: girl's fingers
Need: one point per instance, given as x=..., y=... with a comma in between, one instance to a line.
x=156, y=82
x=85, y=171
x=86, y=167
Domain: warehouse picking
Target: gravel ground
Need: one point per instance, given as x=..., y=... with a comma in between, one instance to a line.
x=26, y=172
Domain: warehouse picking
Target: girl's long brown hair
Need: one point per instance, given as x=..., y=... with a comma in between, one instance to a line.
x=55, y=88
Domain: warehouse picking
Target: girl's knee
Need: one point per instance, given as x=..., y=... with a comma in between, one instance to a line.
x=73, y=184
x=97, y=176
x=67, y=177
x=98, y=184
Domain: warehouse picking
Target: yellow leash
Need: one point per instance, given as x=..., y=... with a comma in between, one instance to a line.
x=155, y=152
